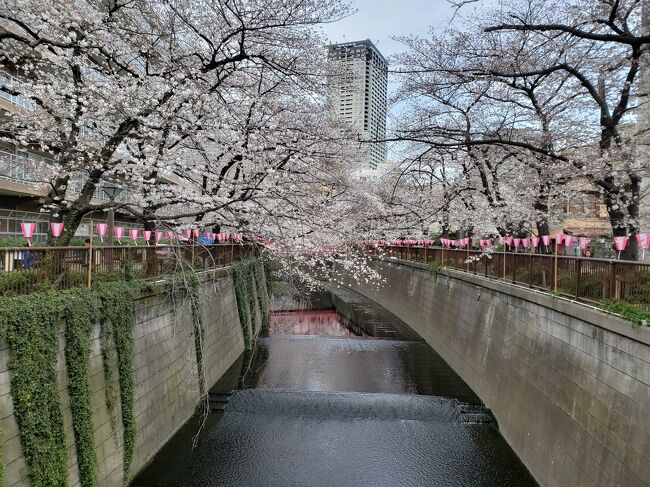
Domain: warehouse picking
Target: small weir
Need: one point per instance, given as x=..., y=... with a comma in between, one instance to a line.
x=348, y=398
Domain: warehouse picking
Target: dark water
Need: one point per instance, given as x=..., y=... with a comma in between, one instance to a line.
x=319, y=405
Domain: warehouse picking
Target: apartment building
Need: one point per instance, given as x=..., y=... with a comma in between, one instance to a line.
x=358, y=91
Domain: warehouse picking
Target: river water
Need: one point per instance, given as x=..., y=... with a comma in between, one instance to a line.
x=326, y=402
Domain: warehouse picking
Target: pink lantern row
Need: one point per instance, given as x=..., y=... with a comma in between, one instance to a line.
x=28, y=228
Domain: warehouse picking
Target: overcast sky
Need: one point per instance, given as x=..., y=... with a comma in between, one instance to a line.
x=379, y=20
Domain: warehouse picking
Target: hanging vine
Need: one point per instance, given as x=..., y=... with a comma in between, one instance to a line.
x=242, y=282
x=30, y=325
x=186, y=286
x=80, y=312
x=262, y=291
x=118, y=303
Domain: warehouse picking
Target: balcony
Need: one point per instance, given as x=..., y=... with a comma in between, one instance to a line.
x=25, y=167
x=32, y=171
x=11, y=83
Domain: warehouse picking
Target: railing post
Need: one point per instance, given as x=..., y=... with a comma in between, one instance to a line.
x=555, y=268
x=90, y=256
x=578, y=276
x=612, y=279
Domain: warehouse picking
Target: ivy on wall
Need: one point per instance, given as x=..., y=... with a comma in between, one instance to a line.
x=80, y=313
x=29, y=324
x=262, y=293
x=242, y=281
x=118, y=300
x=268, y=273
x=248, y=277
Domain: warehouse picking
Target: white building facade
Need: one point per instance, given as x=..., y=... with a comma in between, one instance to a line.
x=358, y=91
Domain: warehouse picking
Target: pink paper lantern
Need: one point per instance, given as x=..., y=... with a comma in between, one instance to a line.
x=525, y=242
x=558, y=238
x=546, y=239
x=196, y=232
x=509, y=241
x=187, y=232
x=568, y=240
x=147, y=235
x=583, y=242
x=488, y=242
x=621, y=243
x=159, y=235
x=134, y=233
x=643, y=239
x=534, y=241
x=170, y=234
x=516, y=241
x=101, y=230
x=28, y=230
x=57, y=228
x=118, y=232
x=481, y=242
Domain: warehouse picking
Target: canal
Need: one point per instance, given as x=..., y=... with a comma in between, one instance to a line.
x=327, y=401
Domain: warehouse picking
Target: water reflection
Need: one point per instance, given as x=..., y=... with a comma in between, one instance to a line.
x=315, y=322
x=315, y=404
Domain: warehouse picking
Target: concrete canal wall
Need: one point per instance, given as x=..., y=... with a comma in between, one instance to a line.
x=568, y=385
x=166, y=384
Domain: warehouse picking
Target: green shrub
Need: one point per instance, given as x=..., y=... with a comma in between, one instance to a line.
x=631, y=312
x=435, y=266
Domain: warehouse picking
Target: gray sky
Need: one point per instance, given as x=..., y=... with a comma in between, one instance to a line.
x=378, y=20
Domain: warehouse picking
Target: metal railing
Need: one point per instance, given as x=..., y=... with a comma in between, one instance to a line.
x=6, y=81
x=29, y=269
x=582, y=278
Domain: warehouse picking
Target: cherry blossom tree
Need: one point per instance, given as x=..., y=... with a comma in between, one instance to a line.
x=551, y=86
x=145, y=93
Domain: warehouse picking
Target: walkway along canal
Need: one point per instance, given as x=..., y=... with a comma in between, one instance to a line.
x=354, y=398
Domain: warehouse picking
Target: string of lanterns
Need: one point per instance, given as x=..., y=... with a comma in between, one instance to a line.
x=620, y=243
x=56, y=229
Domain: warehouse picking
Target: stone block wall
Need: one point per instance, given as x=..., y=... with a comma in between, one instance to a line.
x=166, y=385
x=569, y=385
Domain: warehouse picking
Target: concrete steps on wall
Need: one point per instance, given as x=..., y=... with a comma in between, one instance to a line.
x=219, y=400
x=474, y=414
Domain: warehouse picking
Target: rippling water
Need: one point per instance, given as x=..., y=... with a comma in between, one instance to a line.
x=341, y=410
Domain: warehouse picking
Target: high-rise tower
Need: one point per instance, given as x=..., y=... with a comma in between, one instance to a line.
x=358, y=90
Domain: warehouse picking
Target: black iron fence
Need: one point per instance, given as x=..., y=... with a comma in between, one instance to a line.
x=28, y=269
x=582, y=278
